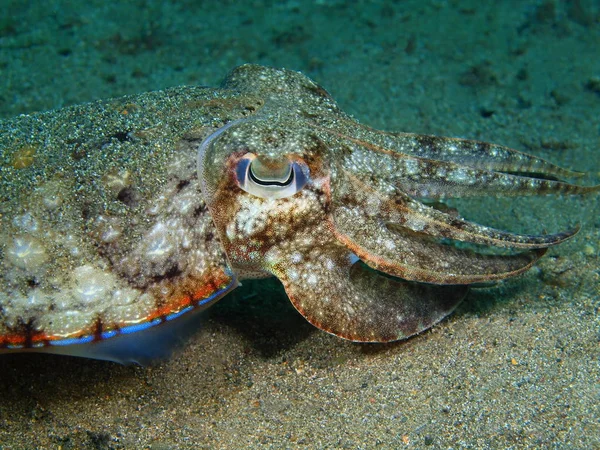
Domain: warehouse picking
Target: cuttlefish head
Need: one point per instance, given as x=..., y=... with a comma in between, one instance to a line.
x=265, y=185
x=331, y=208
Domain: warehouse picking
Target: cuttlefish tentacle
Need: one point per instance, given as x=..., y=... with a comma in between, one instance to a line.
x=414, y=257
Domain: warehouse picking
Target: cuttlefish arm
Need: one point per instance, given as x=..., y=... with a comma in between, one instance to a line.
x=292, y=239
x=375, y=216
x=357, y=252
x=337, y=293
x=441, y=171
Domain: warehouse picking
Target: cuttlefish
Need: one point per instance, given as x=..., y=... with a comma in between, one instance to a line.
x=119, y=217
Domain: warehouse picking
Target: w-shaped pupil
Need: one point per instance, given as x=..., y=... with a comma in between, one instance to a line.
x=270, y=179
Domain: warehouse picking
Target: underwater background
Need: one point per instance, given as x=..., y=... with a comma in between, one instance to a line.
x=516, y=366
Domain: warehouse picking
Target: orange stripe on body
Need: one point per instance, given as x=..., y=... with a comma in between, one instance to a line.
x=212, y=284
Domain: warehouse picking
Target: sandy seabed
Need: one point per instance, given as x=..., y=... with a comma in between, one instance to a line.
x=516, y=366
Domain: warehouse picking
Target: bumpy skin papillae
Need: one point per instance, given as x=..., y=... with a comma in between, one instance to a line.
x=108, y=228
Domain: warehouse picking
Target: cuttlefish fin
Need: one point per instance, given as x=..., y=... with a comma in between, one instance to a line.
x=337, y=293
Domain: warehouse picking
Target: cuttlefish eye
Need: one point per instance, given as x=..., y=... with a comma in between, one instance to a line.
x=268, y=178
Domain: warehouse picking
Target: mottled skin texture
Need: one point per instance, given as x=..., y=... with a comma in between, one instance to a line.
x=133, y=210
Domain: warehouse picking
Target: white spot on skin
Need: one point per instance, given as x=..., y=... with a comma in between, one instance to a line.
x=116, y=180
x=415, y=223
x=230, y=231
x=71, y=242
x=184, y=202
x=160, y=242
x=372, y=206
x=67, y=323
x=52, y=203
x=293, y=274
x=111, y=235
x=91, y=284
x=389, y=244
x=412, y=167
x=251, y=217
x=27, y=253
x=36, y=299
x=461, y=175
x=272, y=257
x=26, y=222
